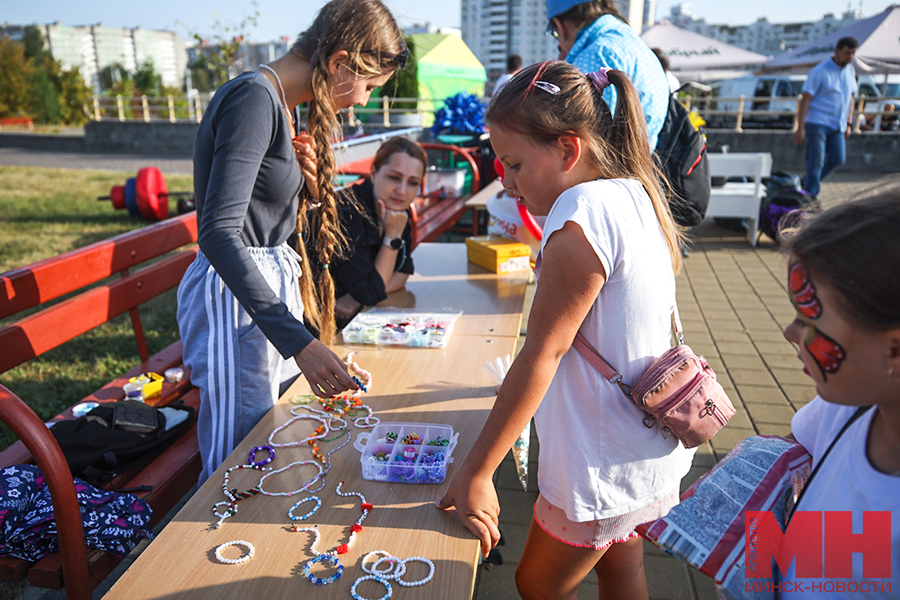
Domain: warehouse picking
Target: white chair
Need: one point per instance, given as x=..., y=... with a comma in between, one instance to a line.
x=739, y=200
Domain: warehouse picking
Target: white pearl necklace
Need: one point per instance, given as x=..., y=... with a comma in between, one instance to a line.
x=235, y=561
x=303, y=488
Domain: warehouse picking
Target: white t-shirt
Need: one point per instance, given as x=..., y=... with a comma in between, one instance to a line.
x=845, y=482
x=597, y=459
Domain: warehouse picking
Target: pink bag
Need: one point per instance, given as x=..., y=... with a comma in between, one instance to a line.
x=679, y=390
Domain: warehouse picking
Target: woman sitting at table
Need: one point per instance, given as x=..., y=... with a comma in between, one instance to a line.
x=378, y=259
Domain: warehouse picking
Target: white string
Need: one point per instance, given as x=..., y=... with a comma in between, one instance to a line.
x=283, y=97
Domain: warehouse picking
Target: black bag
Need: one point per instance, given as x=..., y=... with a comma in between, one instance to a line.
x=116, y=437
x=781, y=210
x=681, y=150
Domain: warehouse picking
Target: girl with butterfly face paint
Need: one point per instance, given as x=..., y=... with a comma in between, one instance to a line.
x=844, y=282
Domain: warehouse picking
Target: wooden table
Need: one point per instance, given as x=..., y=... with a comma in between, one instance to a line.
x=445, y=386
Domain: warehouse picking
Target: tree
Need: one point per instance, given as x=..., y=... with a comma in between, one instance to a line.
x=220, y=53
x=33, y=42
x=44, y=98
x=74, y=94
x=112, y=76
x=405, y=83
x=147, y=80
x=14, y=73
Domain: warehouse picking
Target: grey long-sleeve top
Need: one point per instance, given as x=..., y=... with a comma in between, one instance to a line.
x=246, y=185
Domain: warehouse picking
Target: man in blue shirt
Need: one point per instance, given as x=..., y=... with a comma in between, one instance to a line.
x=591, y=35
x=825, y=114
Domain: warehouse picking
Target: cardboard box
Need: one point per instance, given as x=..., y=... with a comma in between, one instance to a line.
x=499, y=255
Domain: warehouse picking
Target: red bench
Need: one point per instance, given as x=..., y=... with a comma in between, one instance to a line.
x=147, y=262
x=18, y=122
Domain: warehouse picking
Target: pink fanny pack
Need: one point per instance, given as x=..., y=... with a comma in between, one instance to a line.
x=679, y=390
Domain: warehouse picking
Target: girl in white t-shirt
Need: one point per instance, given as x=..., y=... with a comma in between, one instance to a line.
x=607, y=267
x=844, y=283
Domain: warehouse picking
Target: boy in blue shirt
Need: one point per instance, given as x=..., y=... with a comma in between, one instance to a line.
x=825, y=114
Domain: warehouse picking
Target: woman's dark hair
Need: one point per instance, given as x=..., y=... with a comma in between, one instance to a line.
x=367, y=31
x=393, y=146
x=582, y=15
x=615, y=146
x=854, y=249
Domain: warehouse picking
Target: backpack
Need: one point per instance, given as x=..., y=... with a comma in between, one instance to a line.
x=780, y=210
x=681, y=151
x=117, y=436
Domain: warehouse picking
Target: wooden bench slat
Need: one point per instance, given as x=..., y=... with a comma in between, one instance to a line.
x=13, y=569
x=58, y=324
x=51, y=278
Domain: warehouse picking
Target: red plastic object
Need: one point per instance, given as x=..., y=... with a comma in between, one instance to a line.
x=117, y=195
x=530, y=224
x=152, y=194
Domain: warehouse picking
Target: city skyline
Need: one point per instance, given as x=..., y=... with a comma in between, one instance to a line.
x=279, y=18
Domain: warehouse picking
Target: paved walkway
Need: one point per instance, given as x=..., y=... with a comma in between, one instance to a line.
x=734, y=304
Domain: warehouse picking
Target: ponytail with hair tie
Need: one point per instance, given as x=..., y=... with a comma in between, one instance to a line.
x=599, y=79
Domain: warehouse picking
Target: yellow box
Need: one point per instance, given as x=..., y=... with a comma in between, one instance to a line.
x=498, y=254
x=152, y=383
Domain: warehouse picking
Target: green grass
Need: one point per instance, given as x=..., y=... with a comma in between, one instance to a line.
x=43, y=213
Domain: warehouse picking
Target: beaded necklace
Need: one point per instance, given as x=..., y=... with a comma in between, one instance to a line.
x=231, y=505
x=331, y=555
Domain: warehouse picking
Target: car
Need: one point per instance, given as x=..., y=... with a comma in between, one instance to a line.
x=762, y=93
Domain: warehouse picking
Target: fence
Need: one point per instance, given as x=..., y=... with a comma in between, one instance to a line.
x=750, y=113
x=757, y=116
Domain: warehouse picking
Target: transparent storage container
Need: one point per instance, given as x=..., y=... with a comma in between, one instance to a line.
x=406, y=452
x=401, y=327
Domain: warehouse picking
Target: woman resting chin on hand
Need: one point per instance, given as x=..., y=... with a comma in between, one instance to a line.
x=378, y=260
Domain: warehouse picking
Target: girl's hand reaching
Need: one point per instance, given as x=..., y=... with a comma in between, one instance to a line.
x=305, y=149
x=324, y=370
x=394, y=221
x=477, y=507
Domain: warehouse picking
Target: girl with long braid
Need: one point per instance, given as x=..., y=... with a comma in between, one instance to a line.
x=256, y=178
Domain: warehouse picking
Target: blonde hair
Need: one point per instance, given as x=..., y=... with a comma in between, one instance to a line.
x=616, y=146
x=367, y=31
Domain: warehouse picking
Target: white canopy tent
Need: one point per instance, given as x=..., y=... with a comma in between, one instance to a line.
x=695, y=57
x=878, y=52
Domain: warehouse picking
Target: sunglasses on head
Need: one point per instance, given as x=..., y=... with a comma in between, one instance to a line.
x=395, y=59
x=551, y=30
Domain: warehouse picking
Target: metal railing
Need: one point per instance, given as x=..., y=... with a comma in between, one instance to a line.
x=747, y=114
x=389, y=115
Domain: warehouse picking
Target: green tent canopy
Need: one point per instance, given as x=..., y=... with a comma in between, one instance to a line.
x=446, y=67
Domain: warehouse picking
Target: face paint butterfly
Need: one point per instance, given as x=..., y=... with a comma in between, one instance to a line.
x=827, y=353
x=803, y=292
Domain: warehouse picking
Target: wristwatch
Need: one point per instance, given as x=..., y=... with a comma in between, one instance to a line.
x=393, y=243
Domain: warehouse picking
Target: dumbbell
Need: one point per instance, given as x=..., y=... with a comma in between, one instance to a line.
x=145, y=195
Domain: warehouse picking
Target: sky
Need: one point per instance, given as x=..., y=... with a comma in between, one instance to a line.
x=278, y=18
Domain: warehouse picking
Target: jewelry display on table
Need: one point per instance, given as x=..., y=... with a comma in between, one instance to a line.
x=318, y=505
x=265, y=461
x=397, y=565
x=366, y=382
x=235, y=561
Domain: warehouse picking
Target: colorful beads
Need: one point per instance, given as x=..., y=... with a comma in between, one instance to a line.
x=439, y=441
x=323, y=558
x=265, y=461
x=235, y=561
x=310, y=513
x=412, y=438
x=377, y=578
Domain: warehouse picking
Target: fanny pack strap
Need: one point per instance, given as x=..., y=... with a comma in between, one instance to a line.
x=597, y=361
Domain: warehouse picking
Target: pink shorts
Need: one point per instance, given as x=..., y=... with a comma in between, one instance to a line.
x=600, y=534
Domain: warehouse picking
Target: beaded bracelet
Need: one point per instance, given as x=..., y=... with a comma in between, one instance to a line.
x=235, y=561
x=307, y=569
x=398, y=566
x=265, y=461
x=422, y=581
x=310, y=513
x=377, y=578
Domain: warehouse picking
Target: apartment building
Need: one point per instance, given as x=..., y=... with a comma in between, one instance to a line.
x=92, y=48
x=762, y=36
x=494, y=29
